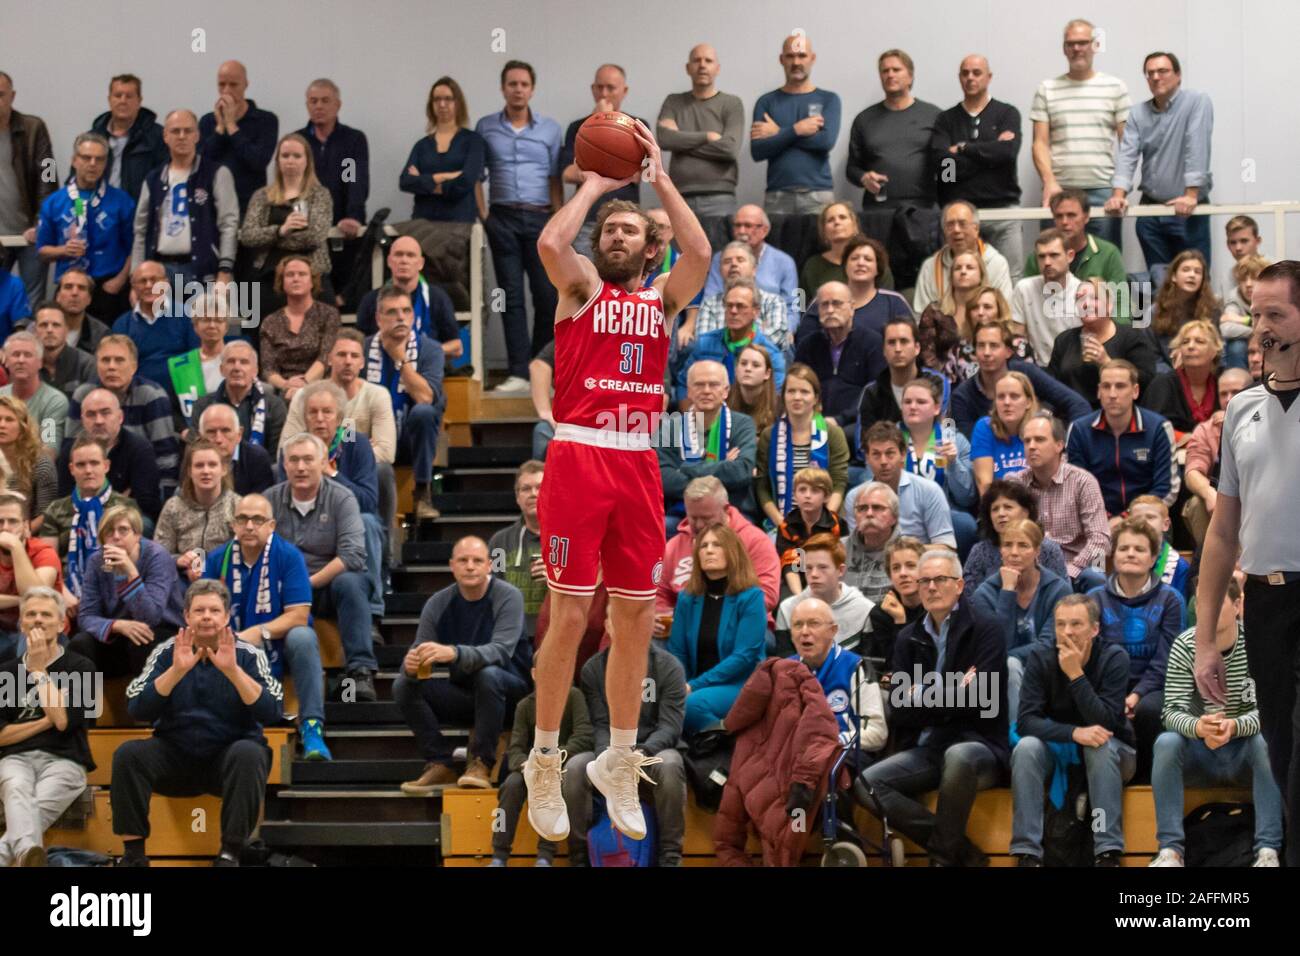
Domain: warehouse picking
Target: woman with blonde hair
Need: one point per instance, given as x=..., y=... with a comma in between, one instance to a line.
x=290, y=215
x=995, y=446
x=966, y=274
x=31, y=471
x=1189, y=394
x=719, y=633
x=836, y=225
x=1021, y=598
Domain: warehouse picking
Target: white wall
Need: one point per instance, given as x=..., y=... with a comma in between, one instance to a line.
x=385, y=53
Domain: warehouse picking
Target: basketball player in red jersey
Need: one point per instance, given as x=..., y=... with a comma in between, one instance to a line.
x=602, y=504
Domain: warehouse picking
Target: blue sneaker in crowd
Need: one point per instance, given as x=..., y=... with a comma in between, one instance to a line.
x=312, y=733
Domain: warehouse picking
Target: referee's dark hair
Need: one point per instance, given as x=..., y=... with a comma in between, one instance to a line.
x=1288, y=269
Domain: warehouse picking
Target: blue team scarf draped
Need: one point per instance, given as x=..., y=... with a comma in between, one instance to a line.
x=420, y=306
x=267, y=578
x=389, y=377
x=696, y=449
x=262, y=571
x=927, y=466
x=780, y=457
x=257, y=424
x=83, y=541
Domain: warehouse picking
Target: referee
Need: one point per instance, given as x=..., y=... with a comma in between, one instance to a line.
x=1257, y=516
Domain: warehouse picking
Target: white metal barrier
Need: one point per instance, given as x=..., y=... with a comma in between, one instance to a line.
x=1277, y=210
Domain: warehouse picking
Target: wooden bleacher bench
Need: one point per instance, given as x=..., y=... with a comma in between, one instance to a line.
x=467, y=828
x=185, y=829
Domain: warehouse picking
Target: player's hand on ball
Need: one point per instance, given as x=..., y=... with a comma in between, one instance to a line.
x=655, y=167
x=606, y=184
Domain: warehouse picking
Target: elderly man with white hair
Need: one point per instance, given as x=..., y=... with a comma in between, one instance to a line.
x=249, y=465
x=261, y=411
x=949, y=717
x=714, y=441
x=961, y=233
x=851, y=687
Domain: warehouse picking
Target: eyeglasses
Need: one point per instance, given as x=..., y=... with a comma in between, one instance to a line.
x=255, y=520
x=935, y=582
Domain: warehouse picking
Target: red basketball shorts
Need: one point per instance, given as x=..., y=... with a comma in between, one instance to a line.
x=602, y=517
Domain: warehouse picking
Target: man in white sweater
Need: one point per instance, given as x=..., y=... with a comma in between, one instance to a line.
x=961, y=233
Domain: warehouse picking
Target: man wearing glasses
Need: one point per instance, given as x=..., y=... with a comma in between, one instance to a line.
x=741, y=306
x=271, y=609
x=87, y=224
x=1078, y=117
x=949, y=715
x=1171, y=134
x=844, y=357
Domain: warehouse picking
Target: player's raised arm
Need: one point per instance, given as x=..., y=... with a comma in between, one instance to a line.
x=572, y=274
x=692, y=266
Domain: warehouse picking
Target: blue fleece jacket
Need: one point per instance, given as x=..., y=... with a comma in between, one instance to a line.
x=1138, y=462
x=1145, y=626
x=1023, y=628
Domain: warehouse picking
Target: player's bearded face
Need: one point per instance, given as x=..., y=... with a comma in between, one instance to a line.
x=619, y=257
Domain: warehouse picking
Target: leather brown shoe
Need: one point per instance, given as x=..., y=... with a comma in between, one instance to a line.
x=476, y=776
x=435, y=776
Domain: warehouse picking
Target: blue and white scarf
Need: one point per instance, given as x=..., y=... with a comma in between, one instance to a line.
x=423, y=323
x=267, y=579
x=257, y=426
x=780, y=457
x=83, y=540
x=385, y=374
x=927, y=466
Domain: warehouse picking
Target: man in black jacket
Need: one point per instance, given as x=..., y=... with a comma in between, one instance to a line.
x=882, y=399
x=1073, y=694
x=974, y=148
x=208, y=697
x=659, y=728
x=846, y=359
x=135, y=136
x=949, y=699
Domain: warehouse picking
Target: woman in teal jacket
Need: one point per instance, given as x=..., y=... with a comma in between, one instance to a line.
x=719, y=627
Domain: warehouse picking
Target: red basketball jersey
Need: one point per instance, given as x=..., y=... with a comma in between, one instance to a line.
x=610, y=358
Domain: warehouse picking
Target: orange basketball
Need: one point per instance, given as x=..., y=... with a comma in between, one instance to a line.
x=607, y=145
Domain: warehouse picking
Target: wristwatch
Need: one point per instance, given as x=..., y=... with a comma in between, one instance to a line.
x=400, y=365
x=266, y=633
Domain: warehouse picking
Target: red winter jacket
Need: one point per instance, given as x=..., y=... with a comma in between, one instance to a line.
x=785, y=734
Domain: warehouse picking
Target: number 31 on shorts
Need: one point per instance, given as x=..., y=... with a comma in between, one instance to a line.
x=559, y=554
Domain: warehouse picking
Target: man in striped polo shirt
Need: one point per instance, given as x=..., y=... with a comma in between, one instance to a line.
x=1078, y=119
x=1207, y=745
x=1255, y=516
